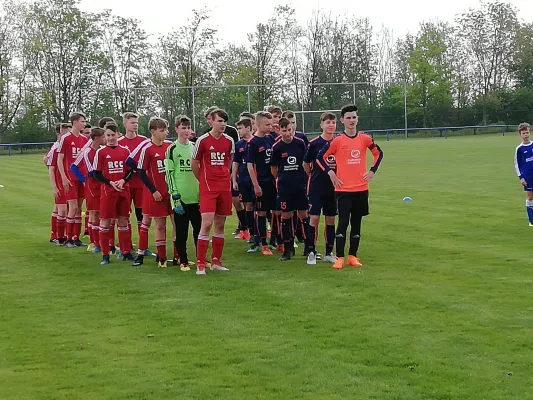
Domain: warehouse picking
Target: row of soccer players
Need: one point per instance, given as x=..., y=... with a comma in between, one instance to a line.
x=272, y=153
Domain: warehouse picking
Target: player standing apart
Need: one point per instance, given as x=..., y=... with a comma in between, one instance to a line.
x=68, y=148
x=241, y=178
x=523, y=162
x=109, y=167
x=287, y=166
x=184, y=189
x=320, y=191
x=350, y=181
x=212, y=156
x=151, y=170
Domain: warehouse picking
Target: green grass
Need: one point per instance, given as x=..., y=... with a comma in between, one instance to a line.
x=441, y=310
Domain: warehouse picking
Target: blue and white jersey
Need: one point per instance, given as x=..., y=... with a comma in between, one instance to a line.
x=523, y=160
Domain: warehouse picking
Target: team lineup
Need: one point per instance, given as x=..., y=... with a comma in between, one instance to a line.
x=278, y=182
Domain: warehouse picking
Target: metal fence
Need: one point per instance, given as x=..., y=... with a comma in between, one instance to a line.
x=387, y=134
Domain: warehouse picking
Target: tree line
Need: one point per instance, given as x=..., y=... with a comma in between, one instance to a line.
x=56, y=58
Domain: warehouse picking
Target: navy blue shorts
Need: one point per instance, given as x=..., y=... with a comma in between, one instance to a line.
x=529, y=186
x=324, y=203
x=234, y=193
x=292, y=201
x=246, y=192
x=267, y=201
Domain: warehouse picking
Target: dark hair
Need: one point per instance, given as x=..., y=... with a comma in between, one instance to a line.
x=284, y=122
x=246, y=114
x=76, y=116
x=96, y=132
x=103, y=121
x=220, y=113
x=288, y=114
x=524, y=126
x=88, y=126
x=247, y=123
x=58, y=128
x=209, y=111
x=112, y=126
x=182, y=120
x=347, y=109
x=274, y=110
x=328, y=116
x=157, y=123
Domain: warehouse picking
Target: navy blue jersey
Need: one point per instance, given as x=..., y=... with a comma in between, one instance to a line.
x=319, y=180
x=303, y=136
x=523, y=160
x=239, y=157
x=258, y=153
x=289, y=158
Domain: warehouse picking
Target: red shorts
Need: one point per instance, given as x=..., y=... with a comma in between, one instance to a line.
x=137, y=196
x=76, y=191
x=92, y=200
x=158, y=209
x=114, y=205
x=219, y=203
x=61, y=199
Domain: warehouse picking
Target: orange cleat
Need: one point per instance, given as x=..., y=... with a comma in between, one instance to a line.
x=354, y=262
x=246, y=235
x=339, y=264
x=280, y=248
x=265, y=250
x=240, y=235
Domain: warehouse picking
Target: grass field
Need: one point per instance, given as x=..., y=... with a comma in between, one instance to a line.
x=442, y=309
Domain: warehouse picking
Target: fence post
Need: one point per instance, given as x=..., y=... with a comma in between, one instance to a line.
x=388, y=135
x=503, y=130
x=249, y=100
x=353, y=88
x=135, y=100
x=193, y=110
x=446, y=133
x=9, y=150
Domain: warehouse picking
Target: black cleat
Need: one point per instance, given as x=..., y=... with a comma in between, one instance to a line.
x=175, y=262
x=300, y=239
x=287, y=255
x=236, y=232
x=79, y=243
x=105, y=260
x=61, y=242
x=128, y=257
x=139, y=260
x=113, y=250
x=70, y=244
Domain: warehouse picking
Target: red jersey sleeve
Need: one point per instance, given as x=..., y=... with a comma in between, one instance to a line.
x=144, y=159
x=99, y=159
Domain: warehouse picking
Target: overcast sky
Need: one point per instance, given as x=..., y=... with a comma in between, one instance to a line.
x=235, y=18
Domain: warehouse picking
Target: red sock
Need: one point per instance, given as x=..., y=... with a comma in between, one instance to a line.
x=139, y=224
x=112, y=234
x=53, y=226
x=143, y=238
x=161, y=246
x=87, y=224
x=77, y=229
x=218, y=246
x=96, y=235
x=61, y=222
x=201, y=249
x=124, y=239
x=104, y=241
x=70, y=229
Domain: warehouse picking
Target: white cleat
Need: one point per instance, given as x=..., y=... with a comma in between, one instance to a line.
x=200, y=271
x=329, y=258
x=311, y=259
x=216, y=265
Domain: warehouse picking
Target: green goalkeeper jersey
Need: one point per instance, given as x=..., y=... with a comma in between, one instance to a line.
x=179, y=176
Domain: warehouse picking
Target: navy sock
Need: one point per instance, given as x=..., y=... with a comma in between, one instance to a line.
x=262, y=229
x=310, y=238
x=330, y=238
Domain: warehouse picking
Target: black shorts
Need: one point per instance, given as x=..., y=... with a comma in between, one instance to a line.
x=267, y=201
x=234, y=193
x=246, y=193
x=352, y=203
x=324, y=203
x=292, y=201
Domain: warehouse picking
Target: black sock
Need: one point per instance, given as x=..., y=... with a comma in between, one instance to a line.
x=262, y=229
x=274, y=229
x=242, y=219
x=310, y=237
x=286, y=232
x=249, y=215
x=139, y=214
x=330, y=238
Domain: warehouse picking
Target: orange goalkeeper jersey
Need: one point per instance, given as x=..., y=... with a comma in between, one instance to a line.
x=350, y=158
